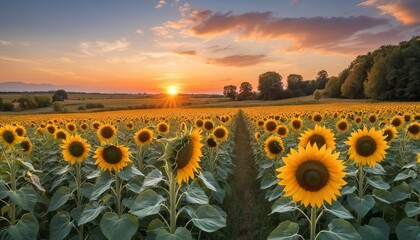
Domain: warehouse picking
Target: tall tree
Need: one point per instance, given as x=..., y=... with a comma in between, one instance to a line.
x=229, y=91
x=245, y=87
x=321, y=79
x=59, y=95
x=270, y=85
x=295, y=84
x=245, y=92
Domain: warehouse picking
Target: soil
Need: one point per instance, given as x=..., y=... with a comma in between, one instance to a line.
x=247, y=215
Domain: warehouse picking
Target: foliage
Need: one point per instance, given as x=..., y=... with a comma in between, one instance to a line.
x=270, y=85
x=229, y=91
x=245, y=92
x=42, y=101
x=59, y=95
x=7, y=107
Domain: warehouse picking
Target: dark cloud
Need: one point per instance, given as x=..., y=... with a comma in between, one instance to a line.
x=237, y=60
x=186, y=52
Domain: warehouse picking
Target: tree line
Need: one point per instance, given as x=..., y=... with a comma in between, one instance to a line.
x=270, y=87
x=391, y=72
x=32, y=102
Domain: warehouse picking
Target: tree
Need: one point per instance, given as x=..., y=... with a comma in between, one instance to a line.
x=245, y=92
x=42, y=101
x=295, y=84
x=270, y=85
x=317, y=94
x=59, y=95
x=353, y=85
x=321, y=79
x=332, y=89
x=229, y=91
x=27, y=102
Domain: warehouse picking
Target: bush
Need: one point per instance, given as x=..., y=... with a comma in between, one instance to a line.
x=7, y=107
x=94, y=105
x=42, y=101
x=81, y=108
x=58, y=107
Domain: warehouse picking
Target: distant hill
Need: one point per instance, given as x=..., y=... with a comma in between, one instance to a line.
x=33, y=87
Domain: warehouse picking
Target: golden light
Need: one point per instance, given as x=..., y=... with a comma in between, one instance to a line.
x=172, y=90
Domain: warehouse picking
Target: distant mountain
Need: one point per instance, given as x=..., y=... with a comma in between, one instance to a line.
x=34, y=87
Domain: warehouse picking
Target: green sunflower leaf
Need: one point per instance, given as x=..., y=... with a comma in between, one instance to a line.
x=26, y=228
x=209, y=181
x=340, y=229
x=196, y=195
x=119, y=228
x=152, y=179
x=207, y=218
x=25, y=198
x=377, y=229
x=103, y=183
x=412, y=209
x=338, y=210
x=146, y=204
x=361, y=205
x=378, y=182
x=90, y=212
x=286, y=230
x=282, y=205
x=408, y=228
x=180, y=233
x=60, y=226
x=59, y=198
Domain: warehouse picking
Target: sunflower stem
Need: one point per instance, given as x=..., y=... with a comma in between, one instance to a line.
x=403, y=149
x=313, y=223
x=140, y=158
x=79, y=194
x=172, y=203
x=13, y=171
x=361, y=191
x=118, y=186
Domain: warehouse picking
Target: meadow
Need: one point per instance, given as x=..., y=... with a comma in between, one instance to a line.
x=313, y=171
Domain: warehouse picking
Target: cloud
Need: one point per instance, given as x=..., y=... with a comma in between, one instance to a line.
x=63, y=73
x=184, y=9
x=160, y=4
x=9, y=43
x=405, y=11
x=127, y=59
x=237, y=60
x=315, y=32
x=139, y=31
x=5, y=43
x=186, y=52
x=100, y=47
x=217, y=48
x=16, y=60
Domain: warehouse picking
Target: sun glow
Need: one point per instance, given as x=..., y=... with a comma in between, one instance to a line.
x=172, y=90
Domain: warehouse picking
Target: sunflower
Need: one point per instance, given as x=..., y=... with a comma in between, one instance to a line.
x=372, y=118
x=317, y=117
x=367, y=147
x=257, y=136
x=20, y=130
x=163, y=128
x=397, y=121
x=211, y=142
x=273, y=147
x=414, y=130
x=311, y=175
x=342, y=125
x=199, y=123
x=319, y=135
x=220, y=133
x=95, y=125
x=389, y=132
x=61, y=134
x=358, y=120
x=270, y=126
x=418, y=157
x=51, y=128
x=183, y=127
x=9, y=136
x=208, y=125
x=75, y=149
x=296, y=124
x=143, y=137
x=26, y=145
x=188, y=157
x=260, y=123
x=129, y=126
x=106, y=133
x=71, y=127
x=282, y=130
x=84, y=126
x=112, y=157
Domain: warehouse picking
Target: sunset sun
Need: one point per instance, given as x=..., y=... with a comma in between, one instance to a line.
x=172, y=90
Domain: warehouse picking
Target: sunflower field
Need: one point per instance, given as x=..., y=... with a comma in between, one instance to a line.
x=340, y=172
x=327, y=171
x=146, y=175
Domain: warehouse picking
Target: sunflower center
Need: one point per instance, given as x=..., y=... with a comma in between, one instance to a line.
x=396, y=122
x=107, y=132
x=199, y=123
x=211, y=143
x=184, y=155
x=312, y=176
x=219, y=133
x=51, y=129
x=112, y=154
x=274, y=147
x=61, y=135
x=389, y=135
x=96, y=125
x=342, y=126
x=70, y=127
x=317, y=118
x=271, y=126
x=144, y=136
x=260, y=123
x=25, y=145
x=281, y=131
x=76, y=149
x=8, y=136
x=208, y=125
x=365, y=146
x=296, y=124
x=372, y=119
x=163, y=128
x=19, y=131
x=414, y=129
x=318, y=139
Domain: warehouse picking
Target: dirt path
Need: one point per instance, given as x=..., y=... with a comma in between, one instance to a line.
x=247, y=211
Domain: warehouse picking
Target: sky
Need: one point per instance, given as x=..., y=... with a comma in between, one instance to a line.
x=197, y=46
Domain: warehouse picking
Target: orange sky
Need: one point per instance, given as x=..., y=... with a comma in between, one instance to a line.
x=197, y=46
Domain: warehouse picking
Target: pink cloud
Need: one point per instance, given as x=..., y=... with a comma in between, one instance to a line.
x=238, y=60
x=406, y=11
